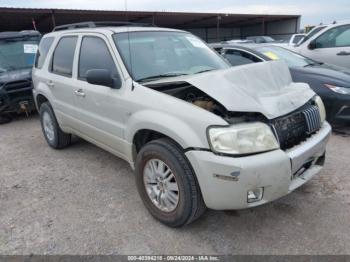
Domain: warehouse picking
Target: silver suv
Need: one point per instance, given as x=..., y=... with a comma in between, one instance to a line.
x=198, y=133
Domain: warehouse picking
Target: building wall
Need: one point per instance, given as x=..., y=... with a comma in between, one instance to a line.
x=278, y=30
x=210, y=34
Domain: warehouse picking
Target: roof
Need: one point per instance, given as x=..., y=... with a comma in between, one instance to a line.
x=111, y=29
x=10, y=34
x=252, y=48
x=46, y=19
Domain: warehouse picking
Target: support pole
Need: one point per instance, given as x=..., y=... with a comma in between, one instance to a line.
x=218, y=28
x=53, y=20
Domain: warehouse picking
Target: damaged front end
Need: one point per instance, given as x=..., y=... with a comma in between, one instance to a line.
x=262, y=92
x=16, y=93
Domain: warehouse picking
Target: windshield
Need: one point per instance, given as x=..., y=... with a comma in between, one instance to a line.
x=164, y=54
x=17, y=53
x=291, y=58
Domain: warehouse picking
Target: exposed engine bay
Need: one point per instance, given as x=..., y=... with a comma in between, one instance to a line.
x=195, y=96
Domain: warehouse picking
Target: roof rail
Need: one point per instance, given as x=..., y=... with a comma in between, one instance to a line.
x=92, y=24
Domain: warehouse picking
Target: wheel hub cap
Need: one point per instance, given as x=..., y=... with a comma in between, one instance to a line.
x=161, y=185
x=48, y=126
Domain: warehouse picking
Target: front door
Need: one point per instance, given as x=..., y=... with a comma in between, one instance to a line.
x=102, y=109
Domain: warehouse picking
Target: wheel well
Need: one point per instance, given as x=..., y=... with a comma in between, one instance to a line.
x=40, y=99
x=144, y=136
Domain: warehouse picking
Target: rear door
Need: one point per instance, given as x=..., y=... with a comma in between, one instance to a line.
x=333, y=46
x=61, y=83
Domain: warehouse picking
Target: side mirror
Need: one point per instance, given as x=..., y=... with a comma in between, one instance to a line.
x=102, y=77
x=312, y=45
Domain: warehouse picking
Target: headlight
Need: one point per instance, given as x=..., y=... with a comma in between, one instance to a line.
x=338, y=89
x=321, y=108
x=242, y=138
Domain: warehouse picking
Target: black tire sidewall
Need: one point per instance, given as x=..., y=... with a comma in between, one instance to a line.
x=48, y=109
x=183, y=210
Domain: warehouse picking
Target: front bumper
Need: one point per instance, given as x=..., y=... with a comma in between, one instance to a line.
x=225, y=181
x=16, y=101
x=337, y=107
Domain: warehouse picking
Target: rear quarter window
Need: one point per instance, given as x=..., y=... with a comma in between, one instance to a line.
x=44, y=47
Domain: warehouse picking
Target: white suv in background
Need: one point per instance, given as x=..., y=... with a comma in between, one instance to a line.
x=329, y=44
x=197, y=132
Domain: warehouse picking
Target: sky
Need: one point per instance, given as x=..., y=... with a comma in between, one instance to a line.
x=313, y=12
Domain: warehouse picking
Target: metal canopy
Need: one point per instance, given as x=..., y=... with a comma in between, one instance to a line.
x=16, y=19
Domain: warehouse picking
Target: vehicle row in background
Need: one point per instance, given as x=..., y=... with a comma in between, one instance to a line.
x=331, y=83
x=17, y=53
x=327, y=43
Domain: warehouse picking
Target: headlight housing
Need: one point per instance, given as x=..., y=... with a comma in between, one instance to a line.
x=338, y=89
x=245, y=138
x=321, y=108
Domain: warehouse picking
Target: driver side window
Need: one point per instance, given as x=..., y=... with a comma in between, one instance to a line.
x=335, y=37
x=94, y=54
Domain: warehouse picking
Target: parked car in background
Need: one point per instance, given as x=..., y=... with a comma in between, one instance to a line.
x=198, y=132
x=262, y=39
x=238, y=41
x=17, y=53
x=331, y=83
x=295, y=39
x=329, y=44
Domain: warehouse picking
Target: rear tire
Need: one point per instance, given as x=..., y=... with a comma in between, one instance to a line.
x=53, y=134
x=163, y=156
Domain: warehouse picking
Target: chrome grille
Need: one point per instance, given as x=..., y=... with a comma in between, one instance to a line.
x=313, y=119
x=296, y=127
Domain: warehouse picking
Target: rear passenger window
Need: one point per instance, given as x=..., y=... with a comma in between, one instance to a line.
x=94, y=54
x=62, y=59
x=43, y=49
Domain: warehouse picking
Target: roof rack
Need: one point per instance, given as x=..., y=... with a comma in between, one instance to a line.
x=92, y=24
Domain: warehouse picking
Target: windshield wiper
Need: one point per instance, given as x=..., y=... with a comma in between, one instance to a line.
x=155, y=77
x=203, y=71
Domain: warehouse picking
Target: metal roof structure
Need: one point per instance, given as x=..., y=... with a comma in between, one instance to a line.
x=16, y=19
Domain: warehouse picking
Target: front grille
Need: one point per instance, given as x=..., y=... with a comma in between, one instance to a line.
x=294, y=128
x=313, y=119
x=18, y=86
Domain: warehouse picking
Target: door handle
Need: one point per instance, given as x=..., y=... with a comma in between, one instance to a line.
x=79, y=92
x=343, y=53
x=50, y=83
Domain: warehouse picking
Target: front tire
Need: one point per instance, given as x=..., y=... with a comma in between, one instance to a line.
x=167, y=184
x=53, y=134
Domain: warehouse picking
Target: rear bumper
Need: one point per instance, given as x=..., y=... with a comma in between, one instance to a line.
x=225, y=181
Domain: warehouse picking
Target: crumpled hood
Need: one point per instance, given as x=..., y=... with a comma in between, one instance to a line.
x=264, y=87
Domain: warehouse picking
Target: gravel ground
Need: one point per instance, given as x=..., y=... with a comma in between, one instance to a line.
x=83, y=200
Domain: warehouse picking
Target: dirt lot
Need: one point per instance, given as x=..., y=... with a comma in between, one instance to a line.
x=82, y=200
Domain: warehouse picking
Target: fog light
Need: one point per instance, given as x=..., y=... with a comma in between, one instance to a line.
x=255, y=194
